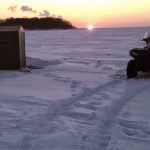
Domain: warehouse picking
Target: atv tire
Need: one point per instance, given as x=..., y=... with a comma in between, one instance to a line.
x=131, y=69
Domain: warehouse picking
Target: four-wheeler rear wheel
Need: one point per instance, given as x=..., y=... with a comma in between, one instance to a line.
x=131, y=69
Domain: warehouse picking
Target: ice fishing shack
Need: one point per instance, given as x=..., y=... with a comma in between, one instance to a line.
x=12, y=47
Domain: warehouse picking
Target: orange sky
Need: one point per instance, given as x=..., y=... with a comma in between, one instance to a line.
x=99, y=13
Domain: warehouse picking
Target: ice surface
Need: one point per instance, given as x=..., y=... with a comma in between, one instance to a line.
x=78, y=96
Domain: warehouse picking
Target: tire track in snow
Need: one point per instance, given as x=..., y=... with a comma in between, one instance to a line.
x=97, y=134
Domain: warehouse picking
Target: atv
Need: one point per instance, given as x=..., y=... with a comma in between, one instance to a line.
x=141, y=61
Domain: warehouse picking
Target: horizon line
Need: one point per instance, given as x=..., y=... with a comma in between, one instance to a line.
x=114, y=27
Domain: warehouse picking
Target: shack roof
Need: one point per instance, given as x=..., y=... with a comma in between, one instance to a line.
x=11, y=28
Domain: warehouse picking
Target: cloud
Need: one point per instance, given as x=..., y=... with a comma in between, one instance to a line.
x=27, y=8
x=12, y=8
x=44, y=13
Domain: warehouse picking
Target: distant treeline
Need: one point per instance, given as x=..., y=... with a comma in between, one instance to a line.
x=38, y=23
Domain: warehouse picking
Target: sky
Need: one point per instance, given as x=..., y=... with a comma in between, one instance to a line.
x=81, y=13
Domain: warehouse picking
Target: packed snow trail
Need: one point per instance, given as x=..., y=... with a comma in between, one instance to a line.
x=85, y=120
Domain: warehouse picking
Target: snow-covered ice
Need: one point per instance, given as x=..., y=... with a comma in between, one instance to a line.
x=78, y=98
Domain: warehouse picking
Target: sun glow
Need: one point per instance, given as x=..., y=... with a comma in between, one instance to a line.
x=90, y=27
x=82, y=13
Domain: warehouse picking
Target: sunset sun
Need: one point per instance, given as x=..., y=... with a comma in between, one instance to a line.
x=90, y=27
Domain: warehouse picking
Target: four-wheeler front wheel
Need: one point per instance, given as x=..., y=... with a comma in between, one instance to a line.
x=131, y=69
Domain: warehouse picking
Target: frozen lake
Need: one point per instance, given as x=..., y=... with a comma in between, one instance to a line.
x=91, y=44
x=79, y=98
